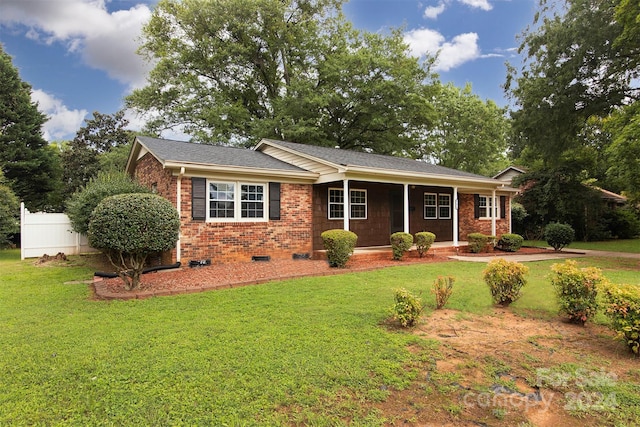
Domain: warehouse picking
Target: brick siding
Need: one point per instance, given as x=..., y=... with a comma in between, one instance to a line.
x=468, y=224
x=234, y=241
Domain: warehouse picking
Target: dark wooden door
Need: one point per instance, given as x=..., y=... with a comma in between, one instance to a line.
x=396, y=214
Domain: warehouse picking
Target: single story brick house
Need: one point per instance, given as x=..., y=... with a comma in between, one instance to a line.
x=277, y=198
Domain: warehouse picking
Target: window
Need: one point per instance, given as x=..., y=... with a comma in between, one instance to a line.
x=444, y=206
x=226, y=203
x=485, y=207
x=437, y=206
x=357, y=203
x=430, y=206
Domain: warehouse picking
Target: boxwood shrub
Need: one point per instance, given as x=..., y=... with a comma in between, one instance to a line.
x=510, y=242
x=400, y=243
x=559, y=235
x=339, y=245
x=477, y=242
x=424, y=240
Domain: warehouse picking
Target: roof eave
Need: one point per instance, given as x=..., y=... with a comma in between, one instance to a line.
x=241, y=170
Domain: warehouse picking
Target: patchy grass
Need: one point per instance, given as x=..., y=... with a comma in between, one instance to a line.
x=629, y=245
x=312, y=351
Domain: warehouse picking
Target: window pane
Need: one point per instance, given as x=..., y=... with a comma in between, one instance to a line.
x=336, y=211
x=336, y=201
x=221, y=200
x=430, y=206
x=444, y=206
x=252, y=205
x=358, y=211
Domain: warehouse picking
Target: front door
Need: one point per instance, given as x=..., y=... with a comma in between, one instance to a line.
x=396, y=205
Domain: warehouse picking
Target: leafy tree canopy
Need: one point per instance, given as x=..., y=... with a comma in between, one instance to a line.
x=239, y=71
x=28, y=163
x=9, y=213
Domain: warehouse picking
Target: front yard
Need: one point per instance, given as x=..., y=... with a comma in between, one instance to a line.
x=307, y=351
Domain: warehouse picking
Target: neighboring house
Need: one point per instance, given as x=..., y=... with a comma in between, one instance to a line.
x=276, y=199
x=611, y=199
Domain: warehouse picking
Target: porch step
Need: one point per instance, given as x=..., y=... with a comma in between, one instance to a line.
x=385, y=252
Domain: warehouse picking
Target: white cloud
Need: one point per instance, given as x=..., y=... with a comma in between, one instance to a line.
x=62, y=121
x=450, y=54
x=105, y=41
x=480, y=4
x=432, y=12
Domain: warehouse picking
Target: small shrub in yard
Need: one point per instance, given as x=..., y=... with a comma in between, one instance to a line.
x=442, y=289
x=510, y=242
x=577, y=290
x=623, y=308
x=505, y=280
x=477, y=242
x=559, y=235
x=400, y=243
x=424, y=240
x=339, y=245
x=407, y=308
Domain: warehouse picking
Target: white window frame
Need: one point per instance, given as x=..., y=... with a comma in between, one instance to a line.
x=237, y=201
x=341, y=203
x=352, y=204
x=447, y=205
x=434, y=206
x=487, y=208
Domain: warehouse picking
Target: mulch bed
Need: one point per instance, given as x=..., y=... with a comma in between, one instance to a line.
x=222, y=276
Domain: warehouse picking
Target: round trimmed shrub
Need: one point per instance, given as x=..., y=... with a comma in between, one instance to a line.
x=559, y=235
x=510, y=242
x=339, y=245
x=505, y=280
x=130, y=227
x=401, y=242
x=477, y=242
x=424, y=240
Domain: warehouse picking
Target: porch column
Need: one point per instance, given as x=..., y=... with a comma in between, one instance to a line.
x=494, y=209
x=455, y=217
x=345, y=202
x=179, y=209
x=406, y=208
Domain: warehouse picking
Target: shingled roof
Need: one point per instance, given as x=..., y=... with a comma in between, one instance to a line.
x=166, y=150
x=347, y=158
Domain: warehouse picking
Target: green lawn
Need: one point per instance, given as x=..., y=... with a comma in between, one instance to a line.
x=631, y=245
x=309, y=351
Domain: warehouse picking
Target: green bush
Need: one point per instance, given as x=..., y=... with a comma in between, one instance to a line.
x=505, y=280
x=130, y=227
x=510, y=242
x=622, y=306
x=407, y=308
x=559, y=235
x=82, y=203
x=339, y=245
x=9, y=214
x=400, y=243
x=442, y=289
x=577, y=290
x=424, y=240
x=477, y=242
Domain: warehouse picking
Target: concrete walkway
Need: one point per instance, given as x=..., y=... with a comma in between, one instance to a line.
x=574, y=253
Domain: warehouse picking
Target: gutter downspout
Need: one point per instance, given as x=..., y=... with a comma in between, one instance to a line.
x=179, y=208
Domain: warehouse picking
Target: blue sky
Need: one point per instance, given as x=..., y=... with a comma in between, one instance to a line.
x=79, y=55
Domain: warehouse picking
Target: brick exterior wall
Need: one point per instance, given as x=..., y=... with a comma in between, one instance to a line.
x=234, y=241
x=468, y=224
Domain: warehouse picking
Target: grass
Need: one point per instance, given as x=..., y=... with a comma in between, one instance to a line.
x=312, y=351
x=630, y=245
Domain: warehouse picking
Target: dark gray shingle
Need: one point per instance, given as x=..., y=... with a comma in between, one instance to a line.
x=189, y=152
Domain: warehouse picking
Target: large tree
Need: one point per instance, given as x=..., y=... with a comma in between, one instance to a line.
x=9, y=213
x=236, y=71
x=99, y=144
x=28, y=164
x=469, y=134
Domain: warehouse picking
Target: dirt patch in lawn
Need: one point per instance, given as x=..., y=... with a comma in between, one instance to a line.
x=508, y=370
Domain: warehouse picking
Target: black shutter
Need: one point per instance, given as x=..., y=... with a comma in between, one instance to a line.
x=274, y=200
x=503, y=206
x=476, y=206
x=198, y=198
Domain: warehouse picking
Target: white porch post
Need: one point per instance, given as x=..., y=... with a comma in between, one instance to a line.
x=406, y=208
x=455, y=217
x=345, y=201
x=494, y=209
x=179, y=209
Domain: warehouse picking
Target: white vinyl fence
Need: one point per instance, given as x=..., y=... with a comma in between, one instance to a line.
x=49, y=233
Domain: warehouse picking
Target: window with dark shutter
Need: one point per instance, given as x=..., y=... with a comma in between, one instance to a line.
x=198, y=199
x=274, y=200
x=503, y=206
